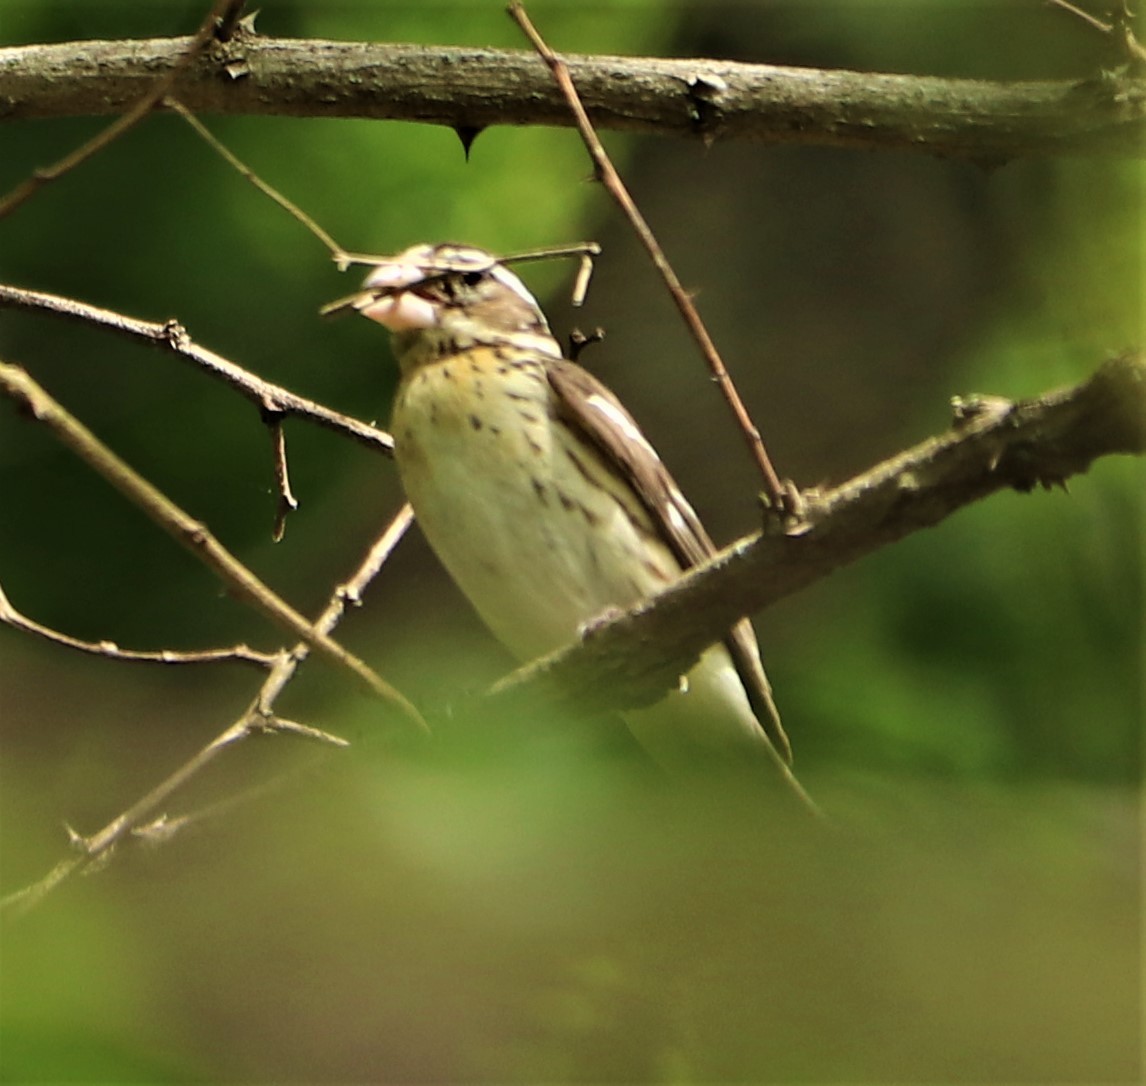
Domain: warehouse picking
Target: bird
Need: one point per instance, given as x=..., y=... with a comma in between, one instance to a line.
x=540, y=494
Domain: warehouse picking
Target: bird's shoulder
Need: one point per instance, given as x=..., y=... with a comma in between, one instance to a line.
x=587, y=405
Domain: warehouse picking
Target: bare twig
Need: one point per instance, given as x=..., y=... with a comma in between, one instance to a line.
x=142, y=107
x=242, y=654
x=344, y=258
x=267, y=397
x=1085, y=16
x=257, y=717
x=190, y=533
x=237, y=164
x=1120, y=29
x=441, y=268
x=616, y=188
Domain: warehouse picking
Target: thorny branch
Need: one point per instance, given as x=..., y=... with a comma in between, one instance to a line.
x=139, y=109
x=10, y=616
x=472, y=89
x=258, y=717
x=274, y=403
x=268, y=398
x=190, y=533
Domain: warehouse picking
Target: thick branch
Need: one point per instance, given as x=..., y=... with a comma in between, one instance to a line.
x=995, y=445
x=475, y=88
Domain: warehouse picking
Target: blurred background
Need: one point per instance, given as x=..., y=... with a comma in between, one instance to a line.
x=534, y=902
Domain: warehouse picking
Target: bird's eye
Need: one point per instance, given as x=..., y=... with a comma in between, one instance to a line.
x=471, y=279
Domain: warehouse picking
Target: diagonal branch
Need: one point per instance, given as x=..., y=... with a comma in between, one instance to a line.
x=994, y=445
x=147, y=100
x=190, y=533
x=611, y=179
x=258, y=716
x=471, y=89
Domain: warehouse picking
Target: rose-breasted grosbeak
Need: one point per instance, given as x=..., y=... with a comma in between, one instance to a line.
x=538, y=491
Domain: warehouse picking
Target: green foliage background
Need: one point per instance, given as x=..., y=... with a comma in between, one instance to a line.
x=533, y=902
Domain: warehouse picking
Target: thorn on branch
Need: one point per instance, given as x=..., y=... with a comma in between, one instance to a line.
x=230, y=21
x=968, y=409
x=467, y=134
x=705, y=115
x=287, y=502
x=158, y=831
x=578, y=341
x=174, y=334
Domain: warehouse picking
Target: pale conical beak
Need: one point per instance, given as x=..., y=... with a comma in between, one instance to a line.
x=398, y=310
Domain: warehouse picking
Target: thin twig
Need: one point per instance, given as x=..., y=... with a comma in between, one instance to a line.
x=190, y=533
x=203, y=36
x=267, y=397
x=436, y=268
x=1085, y=16
x=616, y=188
x=1120, y=29
x=236, y=163
x=258, y=716
x=344, y=258
x=242, y=654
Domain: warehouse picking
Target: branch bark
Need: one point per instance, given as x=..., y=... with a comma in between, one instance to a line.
x=474, y=88
x=994, y=445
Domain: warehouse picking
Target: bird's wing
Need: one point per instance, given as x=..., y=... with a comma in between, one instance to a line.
x=585, y=404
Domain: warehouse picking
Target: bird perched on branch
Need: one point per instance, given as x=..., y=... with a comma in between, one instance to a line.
x=538, y=491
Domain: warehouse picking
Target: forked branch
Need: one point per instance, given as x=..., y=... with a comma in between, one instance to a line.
x=144, y=818
x=190, y=533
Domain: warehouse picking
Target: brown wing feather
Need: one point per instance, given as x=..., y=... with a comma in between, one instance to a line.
x=680, y=528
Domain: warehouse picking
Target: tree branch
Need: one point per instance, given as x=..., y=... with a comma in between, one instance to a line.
x=258, y=717
x=994, y=445
x=241, y=653
x=273, y=401
x=135, y=113
x=474, y=88
x=611, y=179
x=18, y=386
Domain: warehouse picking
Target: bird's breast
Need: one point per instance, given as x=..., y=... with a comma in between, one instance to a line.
x=530, y=521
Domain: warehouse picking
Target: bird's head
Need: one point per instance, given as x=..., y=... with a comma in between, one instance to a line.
x=438, y=300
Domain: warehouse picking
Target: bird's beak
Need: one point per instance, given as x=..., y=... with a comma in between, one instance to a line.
x=384, y=299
